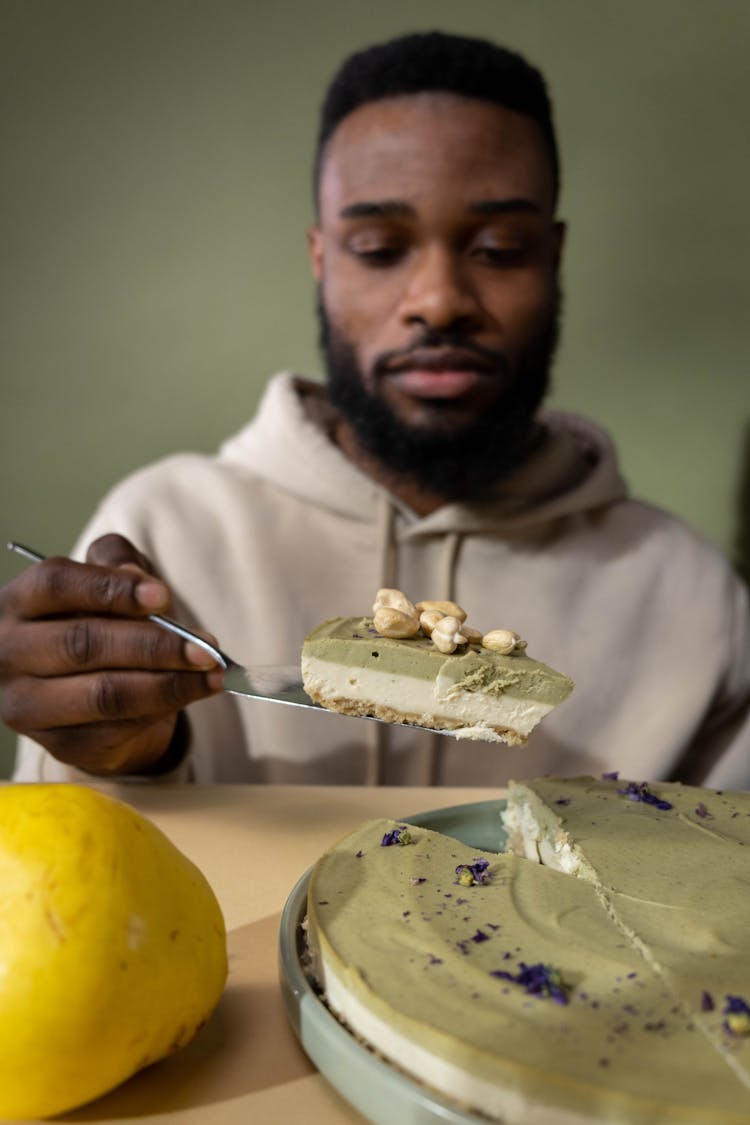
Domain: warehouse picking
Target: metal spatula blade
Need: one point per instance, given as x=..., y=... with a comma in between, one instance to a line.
x=280, y=683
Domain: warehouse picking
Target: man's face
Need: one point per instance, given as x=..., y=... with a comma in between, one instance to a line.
x=436, y=255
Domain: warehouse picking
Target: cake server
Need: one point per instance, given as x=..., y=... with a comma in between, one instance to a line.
x=276, y=683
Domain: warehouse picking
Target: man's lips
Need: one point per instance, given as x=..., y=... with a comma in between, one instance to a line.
x=426, y=383
x=438, y=374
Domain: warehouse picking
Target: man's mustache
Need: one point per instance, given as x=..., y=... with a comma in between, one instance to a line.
x=431, y=339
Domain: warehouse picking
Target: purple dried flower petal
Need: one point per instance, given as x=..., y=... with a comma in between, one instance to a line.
x=471, y=873
x=480, y=936
x=707, y=1002
x=537, y=980
x=736, y=1016
x=396, y=836
x=701, y=810
x=639, y=791
x=611, y=775
x=562, y=801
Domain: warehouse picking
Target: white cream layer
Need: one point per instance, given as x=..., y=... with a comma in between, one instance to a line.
x=521, y=823
x=457, y=1083
x=413, y=696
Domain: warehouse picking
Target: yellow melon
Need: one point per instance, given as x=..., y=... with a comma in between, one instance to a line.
x=112, y=947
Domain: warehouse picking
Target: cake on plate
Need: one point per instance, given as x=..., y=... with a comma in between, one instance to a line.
x=670, y=865
x=607, y=984
x=430, y=668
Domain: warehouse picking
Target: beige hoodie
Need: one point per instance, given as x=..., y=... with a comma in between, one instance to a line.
x=279, y=532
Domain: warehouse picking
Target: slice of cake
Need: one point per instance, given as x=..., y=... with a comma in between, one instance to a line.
x=431, y=670
x=670, y=864
x=506, y=986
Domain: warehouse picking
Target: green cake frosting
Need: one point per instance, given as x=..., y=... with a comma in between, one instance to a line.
x=442, y=964
x=354, y=642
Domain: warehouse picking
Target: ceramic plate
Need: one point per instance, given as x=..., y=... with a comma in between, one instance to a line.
x=379, y=1091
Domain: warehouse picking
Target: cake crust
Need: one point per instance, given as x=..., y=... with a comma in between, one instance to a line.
x=370, y=708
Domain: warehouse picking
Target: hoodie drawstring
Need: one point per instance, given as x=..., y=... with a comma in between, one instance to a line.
x=448, y=566
x=376, y=744
x=387, y=562
x=451, y=548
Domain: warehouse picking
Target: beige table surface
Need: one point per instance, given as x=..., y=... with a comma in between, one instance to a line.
x=252, y=843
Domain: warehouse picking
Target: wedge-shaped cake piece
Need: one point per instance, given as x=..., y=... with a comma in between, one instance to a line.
x=505, y=986
x=671, y=866
x=474, y=692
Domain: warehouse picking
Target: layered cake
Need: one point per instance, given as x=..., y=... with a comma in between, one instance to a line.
x=602, y=974
x=441, y=674
x=670, y=865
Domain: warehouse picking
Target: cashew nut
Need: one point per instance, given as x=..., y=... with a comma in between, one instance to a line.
x=391, y=622
x=502, y=641
x=394, y=599
x=428, y=619
x=449, y=609
x=447, y=635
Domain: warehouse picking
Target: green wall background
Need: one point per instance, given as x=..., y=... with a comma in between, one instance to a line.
x=154, y=181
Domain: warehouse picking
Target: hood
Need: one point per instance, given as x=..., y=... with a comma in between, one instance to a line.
x=289, y=443
x=572, y=468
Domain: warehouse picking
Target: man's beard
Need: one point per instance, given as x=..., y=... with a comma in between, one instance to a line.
x=453, y=460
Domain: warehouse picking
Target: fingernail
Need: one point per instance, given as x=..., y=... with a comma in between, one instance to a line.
x=151, y=594
x=194, y=654
x=216, y=679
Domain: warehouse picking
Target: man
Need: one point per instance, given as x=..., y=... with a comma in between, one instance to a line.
x=426, y=463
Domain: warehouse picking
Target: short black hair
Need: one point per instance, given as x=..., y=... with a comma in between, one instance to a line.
x=435, y=60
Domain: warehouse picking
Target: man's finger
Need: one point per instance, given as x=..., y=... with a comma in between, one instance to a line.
x=57, y=587
x=115, y=550
x=70, y=646
x=37, y=704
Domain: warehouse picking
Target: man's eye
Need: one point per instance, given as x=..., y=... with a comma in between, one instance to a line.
x=511, y=255
x=376, y=254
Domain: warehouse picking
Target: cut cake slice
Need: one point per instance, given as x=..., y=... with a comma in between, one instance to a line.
x=670, y=864
x=348, y=667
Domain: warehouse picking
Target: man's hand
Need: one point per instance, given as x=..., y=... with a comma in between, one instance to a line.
x=84, y=674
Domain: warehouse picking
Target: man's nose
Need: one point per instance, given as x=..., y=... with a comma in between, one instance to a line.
x=438, y=294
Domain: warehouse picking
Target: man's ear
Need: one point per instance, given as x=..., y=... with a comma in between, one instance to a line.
x=559, y=232
x=315, y=250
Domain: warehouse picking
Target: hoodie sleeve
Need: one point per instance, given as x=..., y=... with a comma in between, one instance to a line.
x=724, y=738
